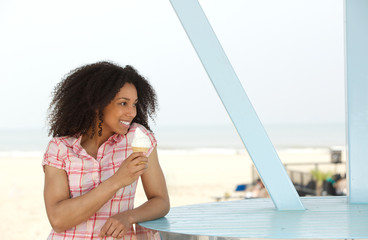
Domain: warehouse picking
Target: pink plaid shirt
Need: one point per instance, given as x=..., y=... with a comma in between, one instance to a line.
x=85, y=173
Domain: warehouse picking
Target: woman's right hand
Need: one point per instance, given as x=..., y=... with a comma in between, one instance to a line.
x=131, y=168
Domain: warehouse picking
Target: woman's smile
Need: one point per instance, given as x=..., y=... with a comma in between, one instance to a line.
x=125, y=124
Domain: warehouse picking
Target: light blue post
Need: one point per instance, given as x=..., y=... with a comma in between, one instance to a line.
x=357, y=97
x=237, y=104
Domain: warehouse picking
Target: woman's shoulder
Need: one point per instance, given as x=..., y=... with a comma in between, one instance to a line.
x=63, y=142
x=57, y=150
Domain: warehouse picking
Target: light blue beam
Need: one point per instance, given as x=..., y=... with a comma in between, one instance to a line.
x=237, y=104
x=357, y=97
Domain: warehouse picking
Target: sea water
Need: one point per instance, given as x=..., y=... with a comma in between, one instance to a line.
x=196, y=138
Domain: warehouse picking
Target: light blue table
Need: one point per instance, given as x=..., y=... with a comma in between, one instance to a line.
x=324, y=217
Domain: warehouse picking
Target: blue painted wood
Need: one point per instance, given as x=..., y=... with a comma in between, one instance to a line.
x=324, y=217
x=357, y=97
x=237, y=104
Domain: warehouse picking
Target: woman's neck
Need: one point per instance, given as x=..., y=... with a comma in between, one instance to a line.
x=92, y=144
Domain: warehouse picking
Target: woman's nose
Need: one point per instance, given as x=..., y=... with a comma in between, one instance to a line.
x=132, y=111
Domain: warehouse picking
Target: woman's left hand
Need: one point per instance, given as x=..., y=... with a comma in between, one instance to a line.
x=116, y=226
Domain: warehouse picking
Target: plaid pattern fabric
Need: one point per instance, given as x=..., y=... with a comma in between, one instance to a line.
x=85, y=173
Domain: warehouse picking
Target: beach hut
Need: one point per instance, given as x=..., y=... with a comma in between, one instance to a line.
x=285, y=215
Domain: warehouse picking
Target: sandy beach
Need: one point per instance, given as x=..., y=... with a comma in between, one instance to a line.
x=192, y=177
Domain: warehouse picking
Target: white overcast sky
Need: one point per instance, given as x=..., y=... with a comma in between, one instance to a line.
x=288, y=54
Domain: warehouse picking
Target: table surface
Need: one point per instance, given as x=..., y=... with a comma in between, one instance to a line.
x=324, y=217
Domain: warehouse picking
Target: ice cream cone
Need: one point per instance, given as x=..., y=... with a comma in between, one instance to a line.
x=140, y=143
x=140, y=149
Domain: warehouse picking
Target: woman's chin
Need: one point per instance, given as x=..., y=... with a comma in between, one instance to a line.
x=122, y=131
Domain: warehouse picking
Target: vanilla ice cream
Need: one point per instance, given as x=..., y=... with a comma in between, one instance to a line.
x=141, y=142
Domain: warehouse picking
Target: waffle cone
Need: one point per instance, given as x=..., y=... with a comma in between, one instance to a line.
x=140, y=149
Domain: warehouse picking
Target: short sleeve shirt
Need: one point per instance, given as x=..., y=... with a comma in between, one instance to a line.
x=85, y=173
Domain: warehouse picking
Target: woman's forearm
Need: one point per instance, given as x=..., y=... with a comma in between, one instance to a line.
x=154, y=208
x=71, y=212
x=158, y=204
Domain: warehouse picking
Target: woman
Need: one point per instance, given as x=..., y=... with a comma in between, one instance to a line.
x=90, y=170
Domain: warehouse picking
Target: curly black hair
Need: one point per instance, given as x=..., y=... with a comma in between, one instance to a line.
x=79, y=99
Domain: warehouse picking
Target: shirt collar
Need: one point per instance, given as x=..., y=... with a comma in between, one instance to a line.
x=115, y=138
x=76, y=145
x=112, y=139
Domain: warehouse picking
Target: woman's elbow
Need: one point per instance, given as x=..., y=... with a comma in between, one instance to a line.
x=57, y=228
x=166, y=207
x=58, y=225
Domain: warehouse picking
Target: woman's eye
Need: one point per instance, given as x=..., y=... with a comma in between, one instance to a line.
x=125, y=103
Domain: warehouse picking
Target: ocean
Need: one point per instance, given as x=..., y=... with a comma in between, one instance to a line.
x=208, y=138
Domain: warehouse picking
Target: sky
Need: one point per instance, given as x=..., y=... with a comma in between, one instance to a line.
x=288, y=55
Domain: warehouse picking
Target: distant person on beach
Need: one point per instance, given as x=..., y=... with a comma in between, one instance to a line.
x=91, y=171
x=336, y=185
x=341, y=186
x=258, y=190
